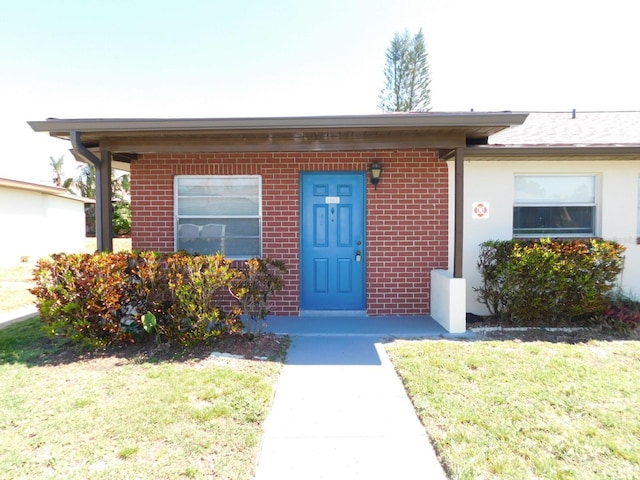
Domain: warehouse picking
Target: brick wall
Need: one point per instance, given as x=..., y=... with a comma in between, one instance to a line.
x=406, y=215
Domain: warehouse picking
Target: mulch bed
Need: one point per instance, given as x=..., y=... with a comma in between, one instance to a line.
x=268, y=346
x=264, y=346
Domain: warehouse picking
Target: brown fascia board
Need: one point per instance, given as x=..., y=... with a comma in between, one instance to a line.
x=118, y=161
x=62, y=127
x=527, y=151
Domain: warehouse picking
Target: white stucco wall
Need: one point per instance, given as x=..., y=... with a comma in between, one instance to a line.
x=35, y=224
x=492, y=181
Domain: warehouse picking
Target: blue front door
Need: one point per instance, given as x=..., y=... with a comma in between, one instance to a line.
x=332, y=263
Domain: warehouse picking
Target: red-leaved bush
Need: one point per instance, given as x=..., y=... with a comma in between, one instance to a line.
x=98, y=299
x=623, y=318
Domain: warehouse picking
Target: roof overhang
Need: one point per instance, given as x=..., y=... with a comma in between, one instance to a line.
x=354, y=132
x=524, y=152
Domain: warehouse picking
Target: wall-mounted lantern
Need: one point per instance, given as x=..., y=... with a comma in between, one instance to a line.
x=375, y=170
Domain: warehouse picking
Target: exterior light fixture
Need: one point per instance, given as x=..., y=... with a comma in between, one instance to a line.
x=375, y=170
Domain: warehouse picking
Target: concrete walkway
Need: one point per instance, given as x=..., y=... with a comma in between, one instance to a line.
x=340, y=410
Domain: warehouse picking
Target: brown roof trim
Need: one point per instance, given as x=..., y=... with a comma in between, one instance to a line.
x=551, y=150
x=352, y=132
x=382, y=121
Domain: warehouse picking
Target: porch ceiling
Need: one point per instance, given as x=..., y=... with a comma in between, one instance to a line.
x=358, y=132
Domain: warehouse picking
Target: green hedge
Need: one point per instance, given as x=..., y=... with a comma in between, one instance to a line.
x=103, y=298
x=548, y=282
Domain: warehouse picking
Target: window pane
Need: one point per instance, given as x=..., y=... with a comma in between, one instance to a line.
x=205, y=186
x=233, y=237
x=219, y=214
x=553, y=221
x=242, y=248
x=218, y=206
x=555, y=189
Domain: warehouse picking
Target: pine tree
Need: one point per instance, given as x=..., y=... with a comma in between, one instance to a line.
x=406, y=75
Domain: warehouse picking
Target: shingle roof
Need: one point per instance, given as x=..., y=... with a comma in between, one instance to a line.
x=561, y=128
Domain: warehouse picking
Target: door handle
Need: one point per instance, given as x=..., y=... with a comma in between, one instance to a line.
x=358, y=256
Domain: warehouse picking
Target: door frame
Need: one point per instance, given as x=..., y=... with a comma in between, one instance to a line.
x=336, y=174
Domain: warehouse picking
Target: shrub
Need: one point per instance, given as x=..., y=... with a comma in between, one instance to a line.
x=103, y=298
x=198, y=285
x=147, y=290
x=254, y=286
x=493, y=263
x=81, y=296
x=623, y=313
x=548, y=282
x=122, y=218
x=623, y=319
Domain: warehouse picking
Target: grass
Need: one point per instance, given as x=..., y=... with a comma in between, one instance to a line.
x=15, y=280
x=119, y=244
x=513, y=410
x=107, y=417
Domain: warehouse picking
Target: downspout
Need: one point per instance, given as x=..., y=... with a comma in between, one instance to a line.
x=104, y=227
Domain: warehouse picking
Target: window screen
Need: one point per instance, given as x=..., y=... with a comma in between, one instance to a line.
x=554, y=206
x=219, y=214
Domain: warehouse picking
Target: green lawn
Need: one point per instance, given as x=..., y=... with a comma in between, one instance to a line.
x=117, y=417
x=513, y=410
x=15, y=282
x=119, y=244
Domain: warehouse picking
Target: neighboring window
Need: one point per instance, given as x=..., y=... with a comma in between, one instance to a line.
x=554, y=206
x=219, y=214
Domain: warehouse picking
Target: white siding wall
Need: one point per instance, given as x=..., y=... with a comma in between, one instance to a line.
x=491, y=181
x=35, y=224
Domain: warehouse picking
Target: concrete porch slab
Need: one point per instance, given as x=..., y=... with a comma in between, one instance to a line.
x=350, y=325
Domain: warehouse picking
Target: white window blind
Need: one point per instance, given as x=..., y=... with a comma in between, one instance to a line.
x=554, y=205
x=219, y=214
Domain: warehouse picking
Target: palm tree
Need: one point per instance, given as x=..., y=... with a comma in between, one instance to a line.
x=58, y=173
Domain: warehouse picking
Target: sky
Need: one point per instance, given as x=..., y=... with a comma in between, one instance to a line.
x=271, y=58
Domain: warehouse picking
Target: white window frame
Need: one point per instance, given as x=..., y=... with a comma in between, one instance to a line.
x=559, y=203
x=212, y=218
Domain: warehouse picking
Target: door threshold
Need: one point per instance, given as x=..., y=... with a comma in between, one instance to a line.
x=332, y=313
